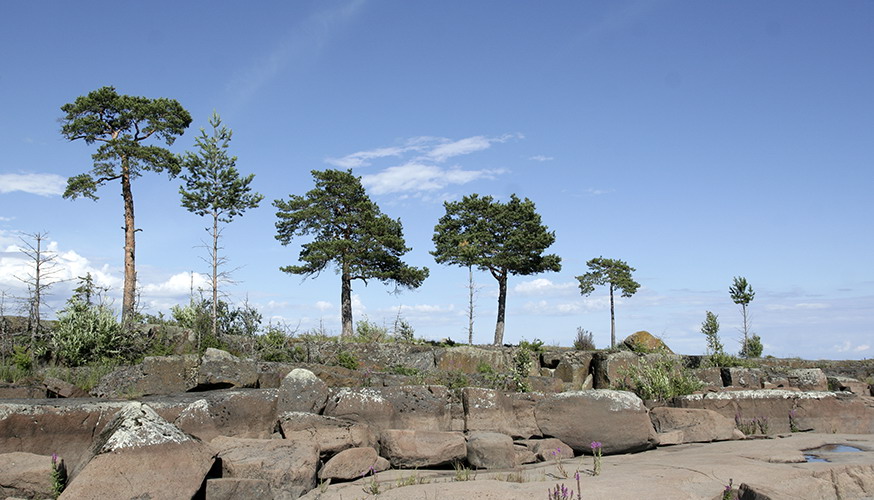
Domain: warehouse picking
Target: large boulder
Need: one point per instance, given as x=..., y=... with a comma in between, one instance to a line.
x=222, y=370
x=738, y=377
x=404, y=407
x=849, y=384
x=57, y=388
x=646, y=342
x=808, y=379
x=288, y=466
x=617, y=419
x=470, y=359
x=331, y=434
x=140, y=455
x=497, y=411
x=693, y=426
x=573, y=368
x=548, y=448
x=25, y=475
x=155, y=375
x=301, y=390
x=783, y=411
x=490, y=450
x=353, y=463
x=63, y=426
x=410, y=449
x=236, y=413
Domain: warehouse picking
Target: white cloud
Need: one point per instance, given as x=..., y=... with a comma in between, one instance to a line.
x=598, y=192
x=799, y=306
x=324, y=306
x=41, y=184
x=861, y=348
x=541, y=286
x=551, y=308
x=847, y=346
x=7, y=219
x=426, y=308
x=540, y=158
x=361, y=158
x=177, y=285
x=422, y=177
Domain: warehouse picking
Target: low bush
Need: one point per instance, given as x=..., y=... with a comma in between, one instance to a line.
x=87, y=333
x=661, y=378
x=584, y=340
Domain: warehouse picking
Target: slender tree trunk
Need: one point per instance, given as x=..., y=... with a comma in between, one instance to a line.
x=215, y=275
x=745, y=346
x=470, y=311
x=130, y=274
x=612, y=320
x=346, y=303
x=35, y=314
x=502, y=305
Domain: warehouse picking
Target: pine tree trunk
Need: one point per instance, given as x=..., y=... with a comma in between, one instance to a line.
x=502, y=305
x=612, y=320
x=470, y=311
x=130, y=274
x=215, y=275
x=346, y=303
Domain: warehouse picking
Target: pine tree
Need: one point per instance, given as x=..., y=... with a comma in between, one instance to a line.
x=616, y=274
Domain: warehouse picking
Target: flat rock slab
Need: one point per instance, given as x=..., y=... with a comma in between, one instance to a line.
x=25, y=475
x=617, y=419
x=289, y=466
x=410, y=449
x=685, y=472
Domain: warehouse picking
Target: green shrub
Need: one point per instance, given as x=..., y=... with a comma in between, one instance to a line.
x=522, y=360
x=403, y=331
x=347, y=360
x=399, y=369
x=661, y=378
x=752, y=348
x=86, y=333
x=274, y=345
x=584, y=340
x=369, y=332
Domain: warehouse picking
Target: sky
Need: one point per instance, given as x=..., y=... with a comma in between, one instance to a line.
x=697, y=141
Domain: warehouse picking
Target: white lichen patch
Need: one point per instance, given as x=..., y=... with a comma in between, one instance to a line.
x=365, y=395
x=759, y=394
x=301, y=375
x=137, y=425
x=199, y=406
x=617, y=400
x=485, y=400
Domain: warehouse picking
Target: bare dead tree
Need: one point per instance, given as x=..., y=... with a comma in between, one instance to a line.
x=5, y=330
x=41, y=277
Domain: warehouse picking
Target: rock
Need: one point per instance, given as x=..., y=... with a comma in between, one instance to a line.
x=607, y=368
x=405, y=407
x=155, y=375
x=288, y=466
x=617, y=419
x=15, y=391
x=353, y=463
x=301, y=390
x=221, y=370
x=25, y=475
x=848, y=384
x=331, y=434
x=490, y=450
x=524, y=455
x=63, y=426
x=496, y=411
x=548, y=448
x=747, y=492
x=410, y=449
x=574, y=368
x=808, y=379
x=241, y=413
x=645, y=342
x=710, y=377
x=750, y=378
x=469, y=359
x=140, y=455
x=57, y=388
x=545, y=384
x=826, y=412
x=235, y=488
x=695, y=426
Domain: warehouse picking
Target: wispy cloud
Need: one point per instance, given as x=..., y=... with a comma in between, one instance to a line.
x=305, y=39
x=541, y=158
x=598, y=192
x=177, y=285
x=40, y=184
x=420, y=168
x=794, y=307
x=542, y=286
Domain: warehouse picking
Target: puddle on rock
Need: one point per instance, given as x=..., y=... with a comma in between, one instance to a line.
x=811, y=454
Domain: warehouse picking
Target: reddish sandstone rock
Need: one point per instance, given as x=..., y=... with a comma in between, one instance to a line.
x=25, y=475
x=409, y=449
x=424, y=408
x=331, y=434
x=644, y=341
x=237, y=413
x=289, y=466
x=497, y=411
x=353, y=464
x=490, y=450
x=301, y=390
x=617, y=419
x=548, y=448
x=235, y=488
x=693, y=426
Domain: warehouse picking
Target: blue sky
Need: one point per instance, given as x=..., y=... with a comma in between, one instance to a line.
x=697, y=141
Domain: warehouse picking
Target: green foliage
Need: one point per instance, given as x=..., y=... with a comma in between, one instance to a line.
x=522, y=360
x=710, y=328
x=723, y=360
x=369, y=332
x=84, y=377
x=616, y=274
x=403, y=331
x=197, y=316
x=347, y=360
x=58, y=476
x=741, y=292
x=584, y=340
x=661, y=378
x=484, y=368
x=85, y=334
x=399, y=369
x=752, y=348
x=501, y=238
x=455, y=379
x=274, y=345
x=350, y=232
